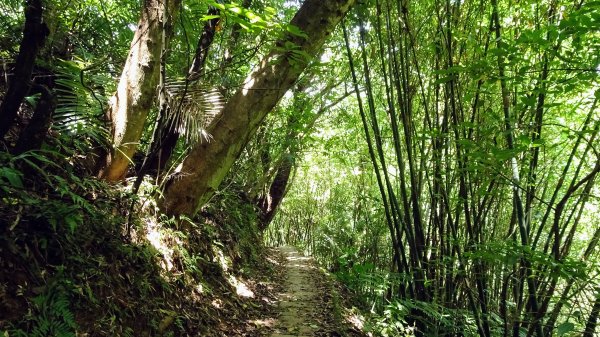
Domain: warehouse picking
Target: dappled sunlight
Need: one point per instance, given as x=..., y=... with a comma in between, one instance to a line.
x=223, y=261
x=241, y=288
x=161, y=238
x=298, y=258
x=155, y=234
x=267, y=300
x=300, y=297
x=356, y=320
x=309, y=303
x=299, y=261
x=248, y=86
x=217, y=303
x=265, y=322
x=272, y=261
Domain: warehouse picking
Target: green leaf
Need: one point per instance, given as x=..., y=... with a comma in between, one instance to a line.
x=31, y=100
x=565, y=328
x=537, y=143
x=13, y=176
x=444, y=79
x=72, y=220
x=294, y=30
x=209, y=17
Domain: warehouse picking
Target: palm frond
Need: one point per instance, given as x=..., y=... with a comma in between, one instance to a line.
x=79, y=110
x=193, y=108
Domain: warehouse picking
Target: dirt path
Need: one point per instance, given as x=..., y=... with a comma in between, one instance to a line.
x=296, y=299
x=299, y=303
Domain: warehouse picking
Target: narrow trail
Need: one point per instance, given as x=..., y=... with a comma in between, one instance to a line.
x=300, y=302
x=297, y=299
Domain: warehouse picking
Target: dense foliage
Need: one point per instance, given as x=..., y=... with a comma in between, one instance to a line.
x=471, y=208
x=440, y=157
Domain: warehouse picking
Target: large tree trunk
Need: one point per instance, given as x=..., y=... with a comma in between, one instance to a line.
x=208, y=163
x=128, y=108
x=34, y=35
x=167, y=134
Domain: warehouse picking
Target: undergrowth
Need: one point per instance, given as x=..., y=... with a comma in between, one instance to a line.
x=68, y=267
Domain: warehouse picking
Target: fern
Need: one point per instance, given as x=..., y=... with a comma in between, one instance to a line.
x=53, y=316
x=79, y=109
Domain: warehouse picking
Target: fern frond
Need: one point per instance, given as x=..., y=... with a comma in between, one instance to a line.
x=78, y=112
x=43, y=328
x=53, y=317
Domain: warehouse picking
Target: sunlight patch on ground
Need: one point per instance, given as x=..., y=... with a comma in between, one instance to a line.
x=298, y=258
x=217, y=303
x=268, y=300
x=156, y=236
x=241, y=288
x=299, y=262
x=266, y=322
x=273, y=261
x=153, y=231
x=223, y=261
x=358, y=321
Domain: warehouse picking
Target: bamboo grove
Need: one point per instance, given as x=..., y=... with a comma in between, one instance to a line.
x=480, y=120
x=439, y=156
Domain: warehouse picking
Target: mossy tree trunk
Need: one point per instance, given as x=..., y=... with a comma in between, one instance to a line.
x=207, y=163
x=129, y=106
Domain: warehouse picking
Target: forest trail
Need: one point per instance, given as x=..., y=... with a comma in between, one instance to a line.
x=302, y=310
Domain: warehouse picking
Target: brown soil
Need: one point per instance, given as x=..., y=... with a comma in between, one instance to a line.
x=307, y=305
x=298, y=315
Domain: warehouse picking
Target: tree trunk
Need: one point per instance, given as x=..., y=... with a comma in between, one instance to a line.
x=33, y=136
x=128, y=108
x=592, y=322
x=34, y=35
x=269, y=203
x=166, y=133
x=204, y=43
x=208, y=163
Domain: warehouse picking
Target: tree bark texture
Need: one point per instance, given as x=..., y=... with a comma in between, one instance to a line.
x=269, y=203
x=129, y=106
x=166, y=134
x=204, y=43
x=592, y=322
x=207, y=164
x=33, y=136
x=34, y=35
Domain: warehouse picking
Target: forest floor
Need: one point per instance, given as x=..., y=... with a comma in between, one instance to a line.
x=306, y=301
